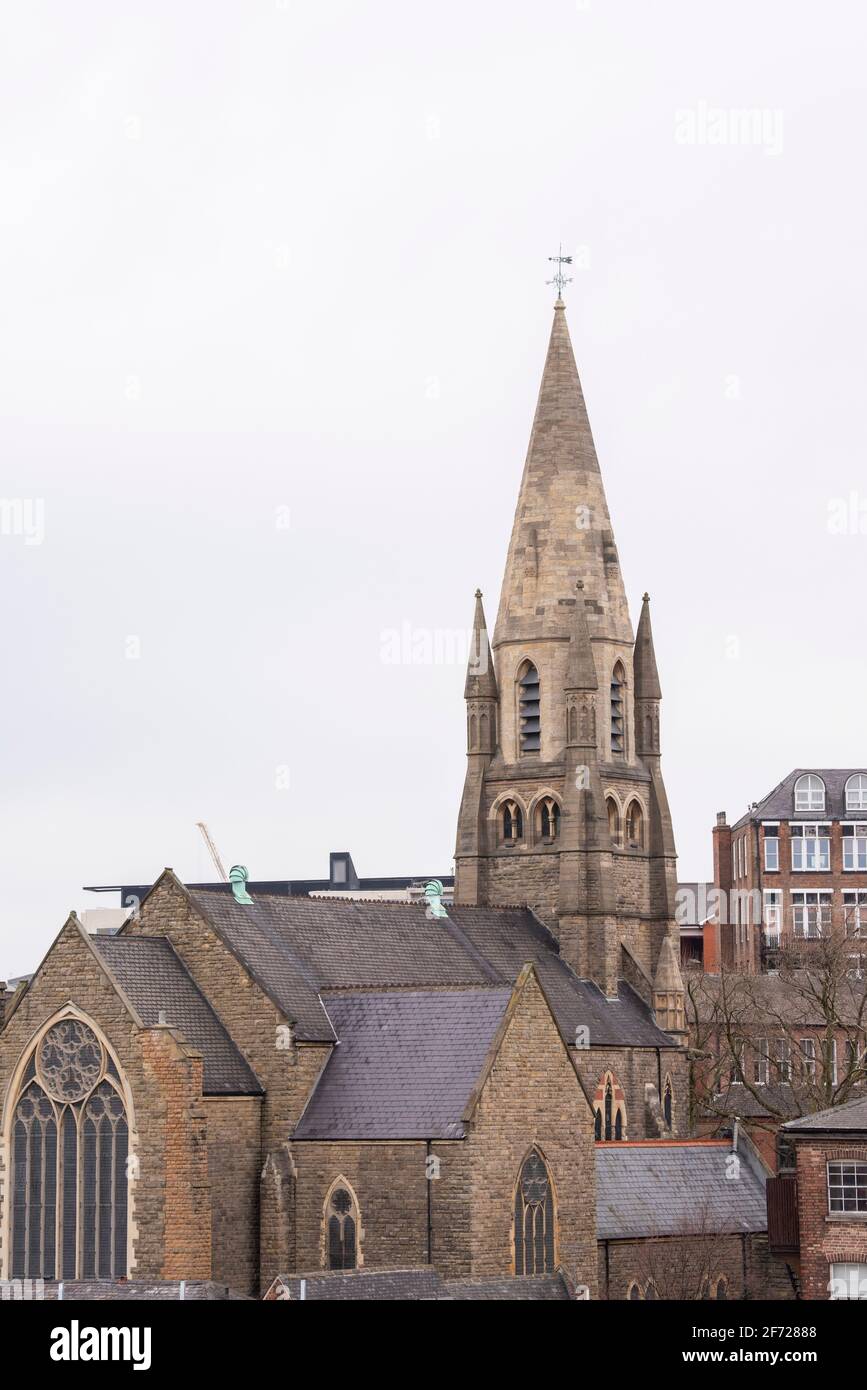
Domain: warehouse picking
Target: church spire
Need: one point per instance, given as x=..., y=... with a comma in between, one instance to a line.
x=562, y=526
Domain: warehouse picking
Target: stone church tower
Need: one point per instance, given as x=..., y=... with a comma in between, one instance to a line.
x=564, y=807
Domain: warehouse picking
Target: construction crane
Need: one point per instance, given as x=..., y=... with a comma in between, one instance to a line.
x=212, y=850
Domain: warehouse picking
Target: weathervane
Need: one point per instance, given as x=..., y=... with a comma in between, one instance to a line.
x=559, y=278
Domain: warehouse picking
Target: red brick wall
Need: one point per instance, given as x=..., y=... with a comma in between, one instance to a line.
x=826, y=1238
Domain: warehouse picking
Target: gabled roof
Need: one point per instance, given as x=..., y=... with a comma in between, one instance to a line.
x=298, y=948
x=779, y=804
x=406, y=1064
x=665, y=1187
x=154, y=979
x=850, y=1118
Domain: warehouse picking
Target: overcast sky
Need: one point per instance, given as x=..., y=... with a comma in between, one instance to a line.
x=274, y=315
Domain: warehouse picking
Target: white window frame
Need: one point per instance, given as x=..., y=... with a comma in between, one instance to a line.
x=808, y=1056
x=810, y=797
x=772, y=915
x=805, y=834
x=858, y=927
x=772, y=850
x=762, y=1062
x=856, y=845
x=856, y=798
x=845, y=1178
x=848, y=1280
x=824, y=899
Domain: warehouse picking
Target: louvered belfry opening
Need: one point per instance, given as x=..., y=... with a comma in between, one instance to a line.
x=70, y=1141
x=529, y=710
x=534, y=1218
x=618, y=721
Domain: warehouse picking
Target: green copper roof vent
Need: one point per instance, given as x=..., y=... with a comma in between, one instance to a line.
x=433, y=892
x=238, y=876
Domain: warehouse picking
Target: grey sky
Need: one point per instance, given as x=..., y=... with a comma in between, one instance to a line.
x=265, y=256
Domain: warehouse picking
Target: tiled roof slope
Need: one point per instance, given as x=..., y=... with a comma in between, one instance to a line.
x=414, y=1286
x=163, y=1291
x=405, y=1066
x=664, y=1188
x=850, y=1117
x=779, y=804
x=154, y=978
x=299, y=947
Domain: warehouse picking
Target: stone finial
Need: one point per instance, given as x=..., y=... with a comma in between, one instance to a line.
x=238, y=876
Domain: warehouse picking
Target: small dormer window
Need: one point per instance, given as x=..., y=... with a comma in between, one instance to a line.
x=618, y=712
x=809, y=793
x=529, y=710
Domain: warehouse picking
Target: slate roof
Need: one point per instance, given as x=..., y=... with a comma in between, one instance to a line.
x=164, y=1291
x=848, y=1118
x=779, y=804
x=405, y=1066
x=298, y=948
x=415, y=1285
x=154, y=978
x=665, y=1188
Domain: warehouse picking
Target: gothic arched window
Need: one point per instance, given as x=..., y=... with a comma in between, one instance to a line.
x=548, y=819
x=341, y=1228
x=529, y=709
x=667, y=1104
x=613, y=820
x=512, y=821
x=635, y=825
x=534, y=1218
x=722, y=1288
x=618, y=712
x=69, y=1149
x=609, y=1105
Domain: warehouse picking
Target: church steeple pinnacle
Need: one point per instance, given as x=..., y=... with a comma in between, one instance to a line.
x=644, y=658
x=481, y=682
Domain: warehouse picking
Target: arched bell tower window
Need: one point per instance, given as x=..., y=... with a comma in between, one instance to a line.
x=618, y=712
x=512, y=822
x=69, y=1146
x=613, y=820
x=341, y=1227
x=535, y=1243
x=548, y=818
x=635, y=825
x=529, y=710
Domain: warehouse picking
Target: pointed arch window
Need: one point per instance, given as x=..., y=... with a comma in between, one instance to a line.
x=548, y=818
x=618, y=711
x=341, y=1228
x=534, y=1218
x=668, y=1103
x=635, y=825
x=512, y=822
x=613, y=820
x=609, y=1107
x=69, y=1150
x=529, y=709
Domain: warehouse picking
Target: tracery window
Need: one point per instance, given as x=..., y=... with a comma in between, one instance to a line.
x=342, y=1229
x=534, y=1218
x=69, y=1142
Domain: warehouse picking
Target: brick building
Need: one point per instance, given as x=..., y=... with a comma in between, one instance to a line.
x=791, y=870
x=817, y=1215
x=239, y=1086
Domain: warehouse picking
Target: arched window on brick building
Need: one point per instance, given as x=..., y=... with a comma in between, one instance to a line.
x=609, y=1106
x=341, y=1227
x=534, y=1233
x=69, y=1145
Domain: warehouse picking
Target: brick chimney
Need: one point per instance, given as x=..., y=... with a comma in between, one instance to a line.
x=717, y=942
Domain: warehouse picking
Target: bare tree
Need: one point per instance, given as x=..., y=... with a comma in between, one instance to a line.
x=777, y=1046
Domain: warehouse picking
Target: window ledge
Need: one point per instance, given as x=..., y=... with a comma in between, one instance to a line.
x=856, y=1218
